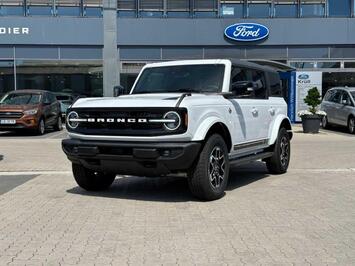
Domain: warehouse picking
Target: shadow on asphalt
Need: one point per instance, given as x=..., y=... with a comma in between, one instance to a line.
x=1, y=157
x=171, y=189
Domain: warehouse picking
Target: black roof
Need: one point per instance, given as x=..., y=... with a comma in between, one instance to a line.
x=247, y=64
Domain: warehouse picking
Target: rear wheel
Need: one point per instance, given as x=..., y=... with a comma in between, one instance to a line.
x=209, y=178
x=325, y=123
x=58, y=126
x=279, y=161
x=351, y=125
x=91, y=180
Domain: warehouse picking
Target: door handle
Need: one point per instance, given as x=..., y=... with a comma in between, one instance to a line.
x=254, y=111
x=272, y=111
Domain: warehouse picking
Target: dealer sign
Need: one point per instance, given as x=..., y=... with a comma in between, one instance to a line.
x=246, y=32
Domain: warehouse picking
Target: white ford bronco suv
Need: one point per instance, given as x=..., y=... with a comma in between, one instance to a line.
x=195, y=117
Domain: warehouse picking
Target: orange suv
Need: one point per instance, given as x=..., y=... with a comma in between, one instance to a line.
x=30, y=109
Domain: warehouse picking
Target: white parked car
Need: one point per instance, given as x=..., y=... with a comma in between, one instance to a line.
x=339, y=104
x=195, y=117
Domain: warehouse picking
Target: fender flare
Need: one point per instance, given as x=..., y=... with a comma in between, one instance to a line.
x=204, y=127
x=281, y=120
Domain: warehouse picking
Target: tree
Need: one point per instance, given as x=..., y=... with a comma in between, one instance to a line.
x=313, y=99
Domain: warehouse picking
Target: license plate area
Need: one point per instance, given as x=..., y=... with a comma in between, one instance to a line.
x=7, y=122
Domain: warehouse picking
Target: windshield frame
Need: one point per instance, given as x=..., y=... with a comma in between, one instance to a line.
x=21, y=93
x=224, y=78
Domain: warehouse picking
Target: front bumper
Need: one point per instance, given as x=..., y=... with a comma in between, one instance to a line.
x=132, y=158
x=26, y=122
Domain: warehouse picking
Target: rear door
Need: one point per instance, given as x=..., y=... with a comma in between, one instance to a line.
x=345, y=108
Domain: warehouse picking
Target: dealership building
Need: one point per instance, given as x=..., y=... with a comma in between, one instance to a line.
x=57, y=45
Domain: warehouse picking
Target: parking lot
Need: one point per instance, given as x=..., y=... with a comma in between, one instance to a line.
x=305, y=217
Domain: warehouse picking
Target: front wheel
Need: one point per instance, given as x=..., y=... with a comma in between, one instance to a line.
x=209, y=178
x=351, y=125
x=279, y=161
x=91, y=180
x=41, y=127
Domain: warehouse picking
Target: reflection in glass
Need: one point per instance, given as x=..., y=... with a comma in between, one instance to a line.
x=302, y=64
x=6, y=77
x=339, y=8
x=74, y=77
x=11, y=11
x=312, y=8
x=259, y=9
x=285, y=8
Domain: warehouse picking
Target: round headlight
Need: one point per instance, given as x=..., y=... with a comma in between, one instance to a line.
x=72, y=120
x=174, y=120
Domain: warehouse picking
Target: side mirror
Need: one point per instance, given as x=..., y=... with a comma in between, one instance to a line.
x=244, y=86
x=119, y=90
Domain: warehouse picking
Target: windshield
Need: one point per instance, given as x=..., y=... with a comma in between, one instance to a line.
x=21, y=98
x=185, y=78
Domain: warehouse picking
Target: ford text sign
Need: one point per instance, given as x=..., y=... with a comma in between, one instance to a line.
x=246, y=32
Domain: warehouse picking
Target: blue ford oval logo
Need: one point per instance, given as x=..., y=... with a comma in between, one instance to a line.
x=246, y=32
x=303, y=76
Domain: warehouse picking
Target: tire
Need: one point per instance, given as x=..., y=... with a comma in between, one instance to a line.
x=351, y=125
x=279, y=161
x=325, y=123
x=209, y=178
x=58, y=125
x=41, y=127
x=91, y=180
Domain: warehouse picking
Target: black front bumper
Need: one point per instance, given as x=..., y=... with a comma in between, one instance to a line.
x=132, y=158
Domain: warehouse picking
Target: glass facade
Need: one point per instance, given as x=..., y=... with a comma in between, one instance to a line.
x=183, y=8
x=6, y=77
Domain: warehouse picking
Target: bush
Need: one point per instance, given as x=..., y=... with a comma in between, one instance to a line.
x=313, y=99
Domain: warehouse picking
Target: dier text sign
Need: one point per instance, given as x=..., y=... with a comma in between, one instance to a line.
x=14, y=31
x=246, y=32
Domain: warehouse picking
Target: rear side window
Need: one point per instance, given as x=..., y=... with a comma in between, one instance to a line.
x=275, y=85
x=242, y=78
x=259, y=78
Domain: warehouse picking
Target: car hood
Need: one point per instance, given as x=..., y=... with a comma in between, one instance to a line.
x=144, y=100
x=16, y=108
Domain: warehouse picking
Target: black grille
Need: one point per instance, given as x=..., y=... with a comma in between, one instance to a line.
x=126, y=128
x=14, y=115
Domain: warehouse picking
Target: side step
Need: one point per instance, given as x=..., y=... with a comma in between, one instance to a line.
x=249, y=158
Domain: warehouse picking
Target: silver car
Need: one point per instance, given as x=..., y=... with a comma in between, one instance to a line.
x=339, y=104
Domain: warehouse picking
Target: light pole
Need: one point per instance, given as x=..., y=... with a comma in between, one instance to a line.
x=111, y=68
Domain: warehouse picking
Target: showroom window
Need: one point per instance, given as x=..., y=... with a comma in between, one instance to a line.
x=6, y=77
x=92, y=8
x=312, y=8
x=178, y=8
x=70, y=8
x=12, y=8
x=127, y=8
x=259, y=8
x=205, y=8
x=232, y=9
x=339, y=8
x=285, y=8
x=40, y=8
x=151, y=8
x=302, y=64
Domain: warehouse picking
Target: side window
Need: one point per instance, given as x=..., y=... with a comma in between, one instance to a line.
x=275, y=85
x=345, y=99
x=52, y=98
x=258, y=77
x=335, y=96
